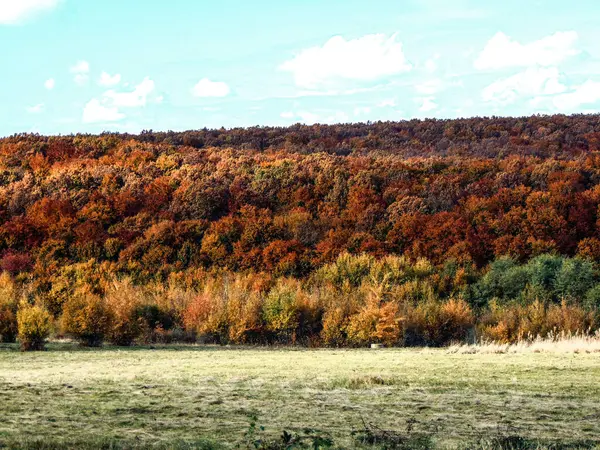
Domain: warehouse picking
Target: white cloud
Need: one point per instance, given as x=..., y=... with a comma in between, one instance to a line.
x=49, y=84
x=207, y=88
x=107, y=108
x=428, y=104
x=501, y=51
x=337, y=117
x=36, y=109
x=310, y=118
x=367, y=58
x=307, y=117
x=137, y=97
x=362, y=110
x=109, y=80
x=429, y=87
x=387, y=103
x=81, y=70
x=81, y=67
x=81, y=79
x=587, y=93
x=530, y=83
x=95, y=112
x=431, y=64
x=14, y=11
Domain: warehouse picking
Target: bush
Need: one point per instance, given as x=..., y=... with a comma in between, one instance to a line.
x=176, y=296
x=206, y=314
x=244, y=306
x=543, y=271
x=435, y=324
x=123, y=300
x=505, y=280
x=8, y=309
x=155, y=323
x=34, y=324
x=310, y=319
x=515, y=322
x=347, y=270
x=377, y=322
x=86, y=317
x=592, y=298
x=335, y=322
x=574, y=279
x=351, y=271
x=500, y=323
x=569, y=319
x=281, y=312
x=8, y=324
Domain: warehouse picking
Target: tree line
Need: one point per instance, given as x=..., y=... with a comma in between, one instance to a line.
x=497, y=199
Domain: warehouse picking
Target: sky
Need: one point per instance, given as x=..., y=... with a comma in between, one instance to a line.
x=71, y=66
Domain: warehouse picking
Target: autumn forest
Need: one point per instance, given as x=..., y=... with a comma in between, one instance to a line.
x=405, y=233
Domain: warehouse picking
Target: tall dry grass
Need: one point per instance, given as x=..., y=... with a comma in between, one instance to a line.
x=553, y=343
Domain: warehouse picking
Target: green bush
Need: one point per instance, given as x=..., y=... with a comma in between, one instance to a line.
x=347, y=270
x=592, y=298
x=280, y=312
x=505, y=280
x=154, y=323
x=87, y=318
x=574, y=279
x=543, y=271
x=34, y=324
x=549, y=278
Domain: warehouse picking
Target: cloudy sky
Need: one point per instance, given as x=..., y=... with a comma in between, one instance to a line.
x=127, y=65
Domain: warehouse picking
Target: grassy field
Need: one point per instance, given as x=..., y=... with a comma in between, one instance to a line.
x=207, y=396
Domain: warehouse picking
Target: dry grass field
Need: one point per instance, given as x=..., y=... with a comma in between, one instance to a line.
x=206, y=397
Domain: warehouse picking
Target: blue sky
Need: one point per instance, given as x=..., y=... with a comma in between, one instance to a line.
x=94, y=65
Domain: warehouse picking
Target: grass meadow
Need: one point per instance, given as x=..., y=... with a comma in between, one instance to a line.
x=218, y=397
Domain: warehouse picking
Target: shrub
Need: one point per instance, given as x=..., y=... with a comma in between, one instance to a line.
x=154, y=322
x=543, y=271
x=351, y=271
x=592, y=298
x=532, y=320
x=515, y=322
x=8, y=309
x=86, y=317
x=435, y=324
x=574, y=279
x=412, y=292
x=505, y=280
x=310, y=318
x=123, y=300
x=8, y=324
x=34, y=324
x=244, y=307
x=280, y=311
x=500, y=323
x=347, y=270
x=335, y=321
x=206, y=314
x=458, y=320
x=376, y=322
x=569, y=319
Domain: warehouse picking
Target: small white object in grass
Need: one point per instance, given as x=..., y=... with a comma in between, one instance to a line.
x=376, y=345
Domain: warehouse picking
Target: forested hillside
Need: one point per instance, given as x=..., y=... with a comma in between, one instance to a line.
x=475, y=219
